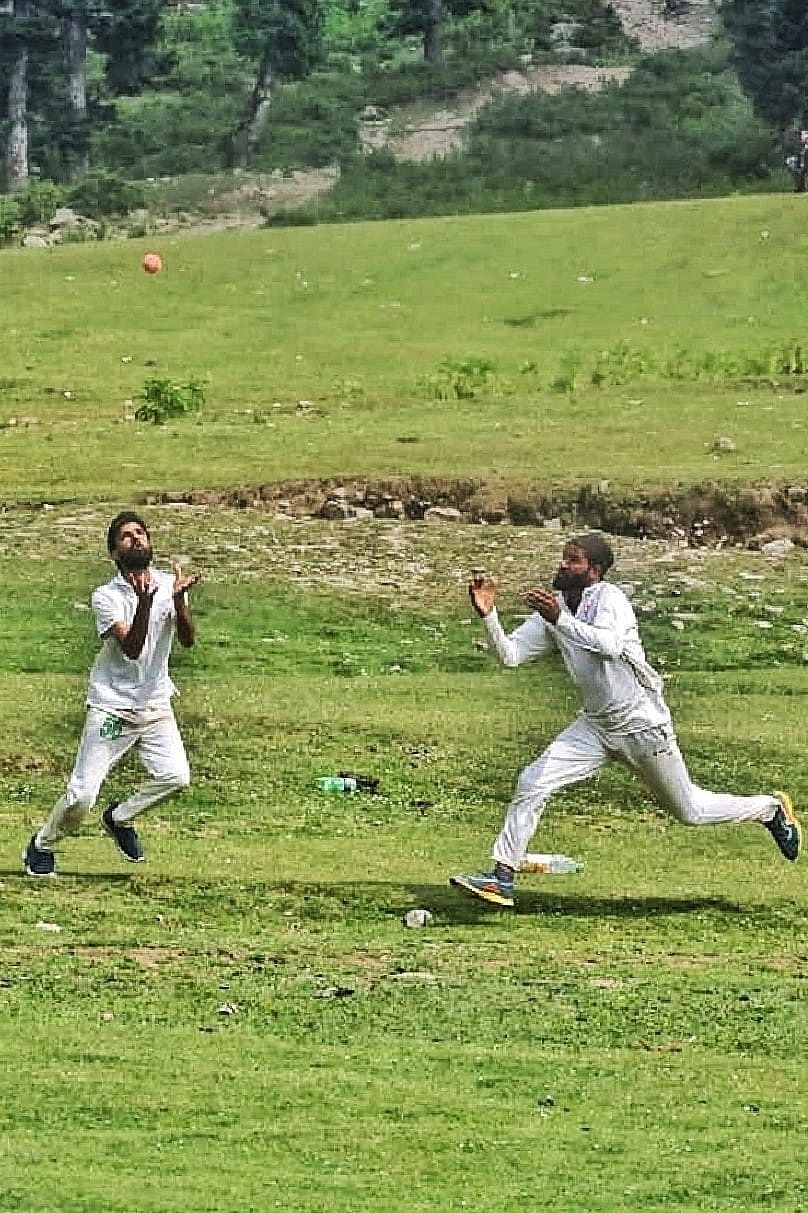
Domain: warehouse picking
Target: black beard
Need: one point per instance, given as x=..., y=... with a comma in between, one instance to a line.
x=135, y=560
x=569, y=581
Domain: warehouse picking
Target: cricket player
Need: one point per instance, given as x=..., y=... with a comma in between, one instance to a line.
x=129, y=696
x=591, y=623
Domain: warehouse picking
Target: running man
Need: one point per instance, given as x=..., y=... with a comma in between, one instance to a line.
x=129, y=696
x=591, y=623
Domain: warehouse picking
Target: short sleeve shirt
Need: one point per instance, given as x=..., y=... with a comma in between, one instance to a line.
x=118, y=683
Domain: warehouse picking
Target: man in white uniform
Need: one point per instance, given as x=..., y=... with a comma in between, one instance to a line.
x=129, y=696
x=591, y=623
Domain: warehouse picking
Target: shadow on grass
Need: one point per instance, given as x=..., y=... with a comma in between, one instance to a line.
x=65, y=877
x=454, y=906
x=335, y=901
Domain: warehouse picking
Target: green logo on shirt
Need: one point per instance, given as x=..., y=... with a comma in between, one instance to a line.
x=111, y=728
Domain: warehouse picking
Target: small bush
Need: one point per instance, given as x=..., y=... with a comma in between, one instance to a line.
x=102, y=193
x=9, y=219
x=38, y=201
x=163, y=400
x=464, y=380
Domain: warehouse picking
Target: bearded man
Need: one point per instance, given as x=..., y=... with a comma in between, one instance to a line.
x=591, y=624
x=129, y=697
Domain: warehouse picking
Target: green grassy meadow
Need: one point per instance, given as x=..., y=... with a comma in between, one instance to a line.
x=355, y=322
x=244, y=1022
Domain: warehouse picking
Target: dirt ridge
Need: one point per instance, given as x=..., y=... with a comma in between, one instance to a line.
x=707, y=514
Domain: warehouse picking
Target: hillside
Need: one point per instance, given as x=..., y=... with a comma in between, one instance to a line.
x=421, y=132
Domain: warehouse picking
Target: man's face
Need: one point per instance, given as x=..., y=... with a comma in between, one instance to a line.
x=133, y=550
x=574, y=571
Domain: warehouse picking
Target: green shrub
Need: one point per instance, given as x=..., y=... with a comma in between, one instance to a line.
x=38, y=201
x=678, y=128
x=103, y=193
x=163, y=400
x=311, y=124
x=162, y=134
x=466, y=379
x=9, y=219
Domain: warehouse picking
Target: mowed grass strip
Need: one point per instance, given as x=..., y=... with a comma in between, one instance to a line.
x=244, y=1022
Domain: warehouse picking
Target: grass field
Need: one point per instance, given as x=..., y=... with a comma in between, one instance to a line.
x=244, y=1022
x=356, y=322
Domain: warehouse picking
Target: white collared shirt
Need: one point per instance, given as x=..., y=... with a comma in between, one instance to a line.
x=600, y=646
x=118, y=683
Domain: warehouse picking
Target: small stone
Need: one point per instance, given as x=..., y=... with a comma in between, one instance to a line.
x=778, y=548
x=417, y=918
x=442, y=513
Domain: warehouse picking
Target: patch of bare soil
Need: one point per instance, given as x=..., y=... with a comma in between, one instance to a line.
x=260, y=197
x=419, y=132
x=707, y=514
x=659, y=26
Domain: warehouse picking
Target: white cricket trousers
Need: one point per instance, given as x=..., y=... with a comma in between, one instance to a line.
x=105, y=740
x=580, y=750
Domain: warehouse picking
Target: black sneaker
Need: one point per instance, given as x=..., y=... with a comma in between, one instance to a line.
x=124, y=837
x=38, y=862
x=784, y=827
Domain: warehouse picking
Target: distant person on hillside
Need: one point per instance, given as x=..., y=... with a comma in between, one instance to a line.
x=798, y=164
x=592, y=625
x=129, y=696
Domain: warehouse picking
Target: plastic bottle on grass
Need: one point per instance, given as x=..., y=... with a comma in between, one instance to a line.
x=550, y=865
x=337, y=783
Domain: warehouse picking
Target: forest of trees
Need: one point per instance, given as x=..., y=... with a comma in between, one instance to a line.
x=144, y=88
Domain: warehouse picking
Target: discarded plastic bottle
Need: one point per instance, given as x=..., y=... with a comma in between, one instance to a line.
x=337, y=783
x=549, y=865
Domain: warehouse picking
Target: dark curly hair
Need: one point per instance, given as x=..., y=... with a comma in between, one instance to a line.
x=121, y=520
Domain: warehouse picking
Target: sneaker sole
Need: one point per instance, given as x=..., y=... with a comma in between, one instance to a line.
x=494, y=899
x=788, y=809
x=118, y=847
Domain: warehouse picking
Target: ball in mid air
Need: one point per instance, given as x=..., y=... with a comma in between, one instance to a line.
x=152, y=263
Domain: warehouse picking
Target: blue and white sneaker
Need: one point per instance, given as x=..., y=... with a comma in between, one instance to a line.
x=488, y=887
x=784, y=827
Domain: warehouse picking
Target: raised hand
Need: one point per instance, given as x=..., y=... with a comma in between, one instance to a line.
x=141, y=583
x=483, y=592
x=183, y=581
x=545, y=602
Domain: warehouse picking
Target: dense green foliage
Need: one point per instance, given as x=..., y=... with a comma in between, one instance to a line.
x=771, y=52
x=277, y=87
x=679, y=127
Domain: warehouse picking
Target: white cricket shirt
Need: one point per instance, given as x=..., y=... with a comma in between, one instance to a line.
x=119, y=684
x=600, y=646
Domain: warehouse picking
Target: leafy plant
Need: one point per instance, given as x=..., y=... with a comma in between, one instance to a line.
x=9, y=219
x=104, y=193
x=464, y=380
x=163, y=399
x=38, y=201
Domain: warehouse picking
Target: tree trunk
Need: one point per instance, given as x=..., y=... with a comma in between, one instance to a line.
x=17, y=142
x=433, y=33
x=74, y=36
x=249, y=132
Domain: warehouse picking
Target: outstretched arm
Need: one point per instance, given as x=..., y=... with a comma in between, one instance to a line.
x=529, y=640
